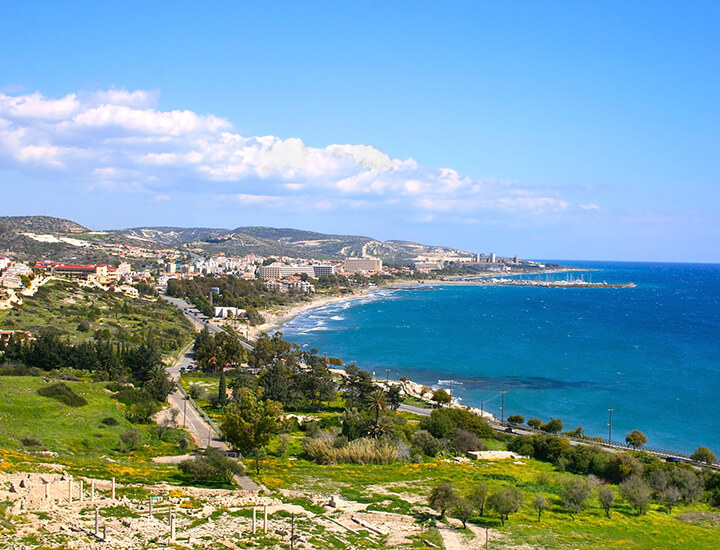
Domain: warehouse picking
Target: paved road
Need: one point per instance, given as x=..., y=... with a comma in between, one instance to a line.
x=201, y=431
x=196, y=316
x=415, y=410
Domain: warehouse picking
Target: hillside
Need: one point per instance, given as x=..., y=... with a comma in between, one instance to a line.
x=47, y=238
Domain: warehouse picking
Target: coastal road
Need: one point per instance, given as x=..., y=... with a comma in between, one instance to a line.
x=196, y=316
x=415, y=410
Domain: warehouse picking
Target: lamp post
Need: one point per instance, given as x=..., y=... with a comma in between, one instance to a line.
x=502, y=406
x=610, y=426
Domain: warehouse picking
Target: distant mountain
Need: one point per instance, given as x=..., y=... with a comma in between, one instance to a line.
x=41, y=224
x=46, y=238
x=172, y=236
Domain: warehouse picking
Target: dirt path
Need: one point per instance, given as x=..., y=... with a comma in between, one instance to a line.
x=455, y=540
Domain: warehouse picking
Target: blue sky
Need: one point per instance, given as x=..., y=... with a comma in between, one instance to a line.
x=578, y=130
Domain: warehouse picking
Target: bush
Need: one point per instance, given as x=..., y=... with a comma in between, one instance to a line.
x=424, y=441
x=442, y=421
x=63, y=393
x=358, y=451
x=464, y=441
x=197, y=391
x=212, y=466
x=30, y=442
x=109, y=421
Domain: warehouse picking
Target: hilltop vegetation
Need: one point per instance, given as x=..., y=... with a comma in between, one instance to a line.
x=78, y=313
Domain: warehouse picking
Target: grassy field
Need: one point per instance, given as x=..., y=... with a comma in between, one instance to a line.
x=76, y=434
x=77, y=313
x=404, y=487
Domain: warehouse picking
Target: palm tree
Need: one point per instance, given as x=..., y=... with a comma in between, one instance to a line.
x=377, y=404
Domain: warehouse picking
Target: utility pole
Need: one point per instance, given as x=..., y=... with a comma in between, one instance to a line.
x=610, y=426
x=502, y=407
x=387, y=375
x=209, y=432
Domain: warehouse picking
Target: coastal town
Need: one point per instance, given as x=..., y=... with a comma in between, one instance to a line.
x=215, y=432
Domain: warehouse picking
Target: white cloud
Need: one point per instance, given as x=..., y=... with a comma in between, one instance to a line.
x=119, y=140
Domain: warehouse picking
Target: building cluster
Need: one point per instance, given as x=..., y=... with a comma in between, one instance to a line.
x=11, y=274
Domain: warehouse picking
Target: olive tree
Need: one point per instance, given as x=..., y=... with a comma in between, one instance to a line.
x=637, y=493
x=441, y=498
x=703, y=454
x=636, y=439
x=506, y=502
x=606, y=496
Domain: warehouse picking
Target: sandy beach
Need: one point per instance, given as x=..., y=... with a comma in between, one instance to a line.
x=276, y=319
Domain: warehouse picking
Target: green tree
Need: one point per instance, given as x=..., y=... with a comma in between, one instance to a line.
x=158, y=384
x=249, y=423
x=395, y=396
x=516, y=419
x=574, y=495
x=703, y=454
x=636, y=439
x=540, y=504
x=377, y=404
x=637, y=493
x=462, y=509
x=553, y=427
x=505, y=502
x=669, y=497
x=441, y=397
x=222, y=389
x=130, y=439
x=535, y=423
x=441, y=498
x=478, y=496
x=606, y=496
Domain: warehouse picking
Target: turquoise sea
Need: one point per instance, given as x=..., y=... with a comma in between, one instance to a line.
x=651, y=353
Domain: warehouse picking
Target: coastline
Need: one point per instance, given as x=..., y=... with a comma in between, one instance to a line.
x=285, y=314
x=411, y=388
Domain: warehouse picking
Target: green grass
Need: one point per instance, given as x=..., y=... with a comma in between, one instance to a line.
x=83, y=443
x=403, y=488
x=63, y=307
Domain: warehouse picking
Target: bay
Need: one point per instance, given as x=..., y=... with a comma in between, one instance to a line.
x=651, y=353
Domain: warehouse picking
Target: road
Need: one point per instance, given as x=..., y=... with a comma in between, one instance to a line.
x=191, y=419
x=197, y=317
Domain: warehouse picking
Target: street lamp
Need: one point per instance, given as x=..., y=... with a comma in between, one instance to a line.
x=610, y=426
x=502, y=407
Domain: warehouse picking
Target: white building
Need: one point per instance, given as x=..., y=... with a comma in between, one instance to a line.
x=280, y=271
x=363, y=265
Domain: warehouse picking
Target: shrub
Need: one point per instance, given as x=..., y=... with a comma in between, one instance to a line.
x=197, y=391
x=63, y=393
x=211, y=466
x=424, y=440
x=441, y=421
x=30, y=442
x=464, y=441
x=109, y=421
x=130, y=439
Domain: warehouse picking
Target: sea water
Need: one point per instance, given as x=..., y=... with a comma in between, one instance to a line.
x=651, y=353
